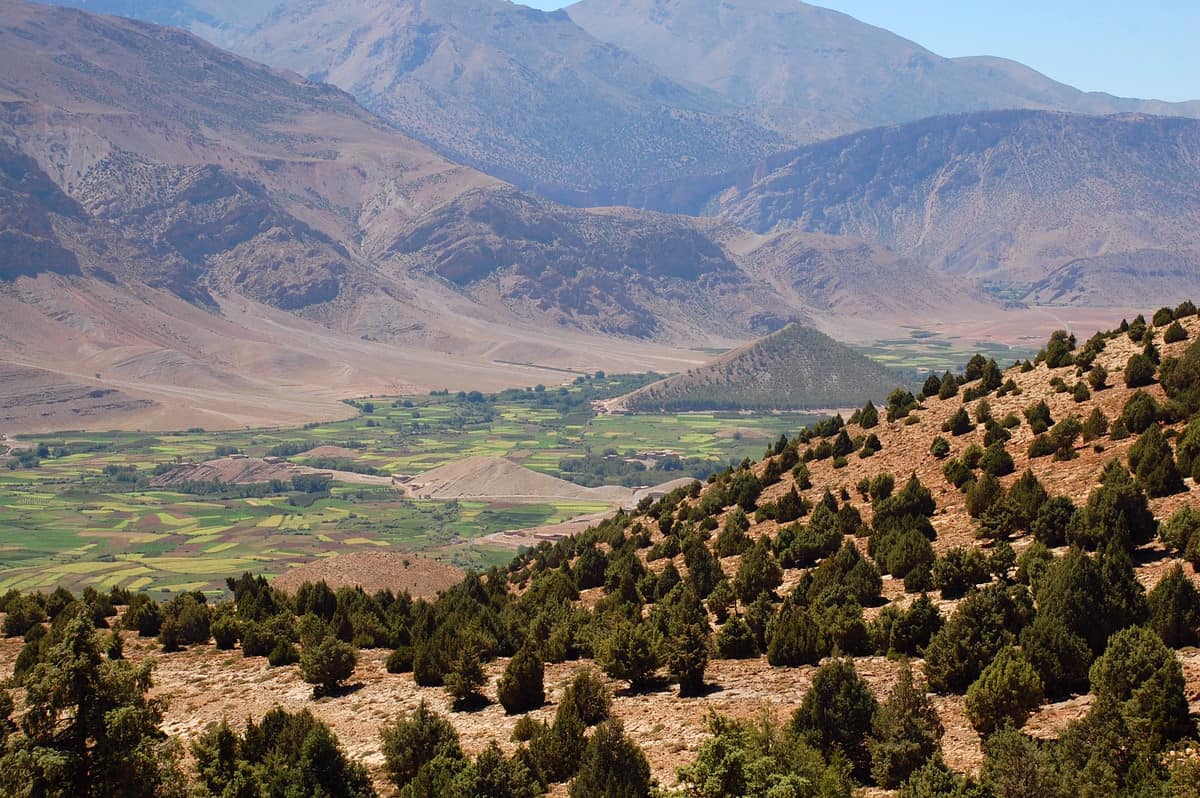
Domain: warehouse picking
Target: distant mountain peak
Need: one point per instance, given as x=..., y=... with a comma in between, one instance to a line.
x=812, y=72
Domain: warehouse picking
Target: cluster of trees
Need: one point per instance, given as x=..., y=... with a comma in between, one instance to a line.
x=981, y=376
x=612, y=468
x=32, y=456
x=90, y=730
x=422, y=755
x=839, y=736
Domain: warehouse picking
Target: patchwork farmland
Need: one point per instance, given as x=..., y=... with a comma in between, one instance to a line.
x=78, y=509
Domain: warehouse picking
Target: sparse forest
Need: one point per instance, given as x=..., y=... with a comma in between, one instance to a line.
x=1036, y=552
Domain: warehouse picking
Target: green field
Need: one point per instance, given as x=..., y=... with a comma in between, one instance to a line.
x=925, y=351
x=85, y=514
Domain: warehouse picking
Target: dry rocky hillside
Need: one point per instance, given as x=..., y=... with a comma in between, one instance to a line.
x=189, y=238
x=375, y=570
x=206, y=685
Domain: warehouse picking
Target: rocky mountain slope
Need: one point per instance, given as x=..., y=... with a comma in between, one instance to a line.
x=260, y=183
x=206, y=163
x=813, y=73
x=176, y=218
x=1061, y=208
x=522, y=94
x=796, y=368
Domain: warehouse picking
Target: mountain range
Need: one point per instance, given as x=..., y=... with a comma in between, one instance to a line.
x=814, y=73
x=180, y=223
x=582, y=104
x=220, y=175
x=1056, y=208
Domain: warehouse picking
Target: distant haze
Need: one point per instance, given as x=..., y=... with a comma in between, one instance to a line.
x=1115, y=46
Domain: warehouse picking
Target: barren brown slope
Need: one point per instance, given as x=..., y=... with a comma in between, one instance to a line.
x=221, y=167
x=498, y=478
x=373, y=571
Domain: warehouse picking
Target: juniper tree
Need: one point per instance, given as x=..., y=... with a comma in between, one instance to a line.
x=758, y=574
x=496, y=776
x=632, y=651
x=948, y=387
x=1060, y=656
x=959, y=423
x=868, y=417
x=1181, y=533
x=466, y=677
x=1187, y=448
x=1072, y=592
x=906, y=632
x=704, y=572
x=735, y=640
x=588, y=696
x=904, y=733
x=1145, y=679
x=22, y=614
x=522, y=687
x=795, y=638
x=413, y=740
x=838, y=712
x=1174, y=609
x=1140, y=413
x=1117, y=510
x=1053, y=518
x=687, y=657
x=327, y=664
x=89, y=728
x=733, y=538
x=1153, y=464
x=982, y=625
x=612, y=766
x=1015, y=766
x=1006, y=692
x=1096, y=426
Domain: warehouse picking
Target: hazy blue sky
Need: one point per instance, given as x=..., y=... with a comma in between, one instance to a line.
x=1145, y=49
